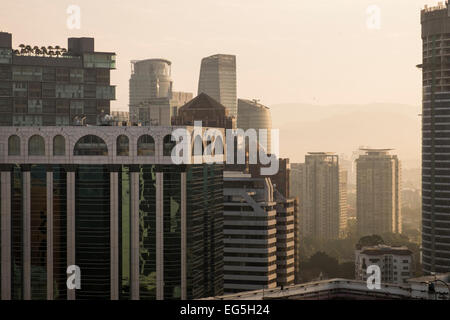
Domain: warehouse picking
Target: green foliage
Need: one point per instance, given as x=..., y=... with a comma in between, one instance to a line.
x=335, y=258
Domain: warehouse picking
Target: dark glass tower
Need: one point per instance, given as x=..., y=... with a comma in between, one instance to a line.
x=46, y=86
x=436, y=139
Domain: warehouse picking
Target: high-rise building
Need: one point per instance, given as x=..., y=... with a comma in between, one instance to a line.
x=378, y=193
x=53, y=86
x=253, y=115
x=258, y=237
x=395, y=263
x=343, y=202
x=218, y=80
x=152, y=99
x=111, y=201
x=435, y=139
x=321, y=209
x=296, y=189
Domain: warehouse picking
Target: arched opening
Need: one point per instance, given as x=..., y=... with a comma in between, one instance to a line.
x=14, y=146
x=90, y=145
x=59, y=146
x=168, y=145
x=36, y=146
x=218, y=146
x=146, y=146
x=198, y=149
x=123, y=146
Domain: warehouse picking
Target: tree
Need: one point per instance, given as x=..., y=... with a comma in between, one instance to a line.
x=369, y=241
x=323, y=263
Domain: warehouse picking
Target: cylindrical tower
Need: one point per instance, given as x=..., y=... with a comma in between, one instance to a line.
x=253, y=115
x=150, y=79
x=436, y=139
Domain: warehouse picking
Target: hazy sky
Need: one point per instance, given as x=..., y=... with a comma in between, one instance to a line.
x=316, y=51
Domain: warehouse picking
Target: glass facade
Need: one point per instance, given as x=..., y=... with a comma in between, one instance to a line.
x=204, y=230
x=59, y=233
x=124, y=233
x=147, y=232
x=38, y=232
x=92, y=191
x=172, y=232
x=92, y=230
x=17, y=234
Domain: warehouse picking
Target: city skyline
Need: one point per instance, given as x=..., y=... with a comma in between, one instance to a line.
x=299, y=150
x=369, y=53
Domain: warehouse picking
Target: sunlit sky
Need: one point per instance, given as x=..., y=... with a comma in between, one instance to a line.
x=317, y=51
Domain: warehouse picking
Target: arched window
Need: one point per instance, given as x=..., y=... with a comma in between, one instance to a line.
x=123, y=146
x=90, y=145
x=14, y=146
x=59, y=146
x=218, y=146
x=146, y=146
x=36, y=146
x=198, y=149
x=168, y=145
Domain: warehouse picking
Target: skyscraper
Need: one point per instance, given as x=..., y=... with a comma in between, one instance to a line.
x=152, y=100
x=378, y=185
x=435, y=139
x=320, y=202
x=253, y=115
x=53, y=86
x=111, y=201
x=218, y=80
x=258, y=234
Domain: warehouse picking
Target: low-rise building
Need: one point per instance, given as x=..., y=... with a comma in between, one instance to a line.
x=395, y=263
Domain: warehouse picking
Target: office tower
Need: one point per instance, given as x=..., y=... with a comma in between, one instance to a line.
x=395, y=263
x=218, y=80
x=253, y=115
x=253, y=233
x=286, y=211
x=53, y=86
x=320, y=201
x=378, y=186
x=152, y=99
x=435, y=139
x=296, y=187
x=205, y=109
x=343, y=204
x=110, y=200
x=281, y=179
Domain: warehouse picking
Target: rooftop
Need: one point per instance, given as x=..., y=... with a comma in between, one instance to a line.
x=343, y=289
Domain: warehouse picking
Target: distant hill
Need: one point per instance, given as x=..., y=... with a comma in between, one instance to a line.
x=343, y=128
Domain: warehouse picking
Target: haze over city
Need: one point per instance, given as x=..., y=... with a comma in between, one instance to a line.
x=320, y=53
x=224, y=150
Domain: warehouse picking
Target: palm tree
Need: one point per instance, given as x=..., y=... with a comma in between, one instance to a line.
x=29, y=49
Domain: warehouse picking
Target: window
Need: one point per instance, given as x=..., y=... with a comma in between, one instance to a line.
x=14, y=146
x=198, y=148
x=36, y=146
x=90, y=145
x=168, y=145
x=59, y=146
x=146, y=146
x=123, y=146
